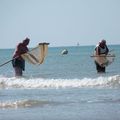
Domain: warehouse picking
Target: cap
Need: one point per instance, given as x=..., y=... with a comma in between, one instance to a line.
x=26, y=40
x=103, y=41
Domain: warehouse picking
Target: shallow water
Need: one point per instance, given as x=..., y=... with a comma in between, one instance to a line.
x=63, y=88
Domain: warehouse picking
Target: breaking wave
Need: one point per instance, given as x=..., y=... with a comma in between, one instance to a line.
x=24, y=103
x=112, y=81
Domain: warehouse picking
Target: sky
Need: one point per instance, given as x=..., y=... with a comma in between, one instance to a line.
x=59, y=22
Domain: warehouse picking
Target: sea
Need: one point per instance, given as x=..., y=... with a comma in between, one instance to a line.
x=64, y=87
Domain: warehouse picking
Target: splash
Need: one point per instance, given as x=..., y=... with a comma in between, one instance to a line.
x=112, y=81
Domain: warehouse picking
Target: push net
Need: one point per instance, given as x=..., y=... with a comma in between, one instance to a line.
x=37, y=54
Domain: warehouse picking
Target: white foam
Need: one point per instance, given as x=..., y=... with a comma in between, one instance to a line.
x=22, y=103
x=112, y=81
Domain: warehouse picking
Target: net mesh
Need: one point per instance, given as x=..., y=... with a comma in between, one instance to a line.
x=104, y=60
x=36, y=55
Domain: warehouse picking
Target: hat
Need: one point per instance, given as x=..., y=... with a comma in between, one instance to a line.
x=103, y=41
x=26, y=40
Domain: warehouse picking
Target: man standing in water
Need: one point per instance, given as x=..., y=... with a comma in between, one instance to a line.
x=101, y=48
x=18, y=62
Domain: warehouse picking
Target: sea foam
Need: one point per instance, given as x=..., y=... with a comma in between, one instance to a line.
x=24, y=103
x=112, y=81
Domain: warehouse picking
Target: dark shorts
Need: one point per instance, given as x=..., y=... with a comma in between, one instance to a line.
x=18, y=63
x=99, y=68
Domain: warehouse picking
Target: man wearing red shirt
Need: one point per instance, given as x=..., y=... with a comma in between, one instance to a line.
x=18, y=62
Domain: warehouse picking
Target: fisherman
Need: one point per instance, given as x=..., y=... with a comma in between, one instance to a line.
x=100, y=49
x=18, y=62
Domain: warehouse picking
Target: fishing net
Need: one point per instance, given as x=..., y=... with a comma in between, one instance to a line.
x=37, y=54
x=104, y=60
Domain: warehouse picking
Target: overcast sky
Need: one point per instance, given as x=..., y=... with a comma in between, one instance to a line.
x=59, y=22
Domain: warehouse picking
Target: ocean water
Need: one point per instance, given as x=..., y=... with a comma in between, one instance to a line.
x=64, y=87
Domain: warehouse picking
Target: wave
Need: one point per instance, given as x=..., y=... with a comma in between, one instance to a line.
x=25, y=103
x=111, y=82
x=30, y=103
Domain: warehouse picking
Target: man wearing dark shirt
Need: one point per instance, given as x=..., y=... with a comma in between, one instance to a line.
x=18, y=62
